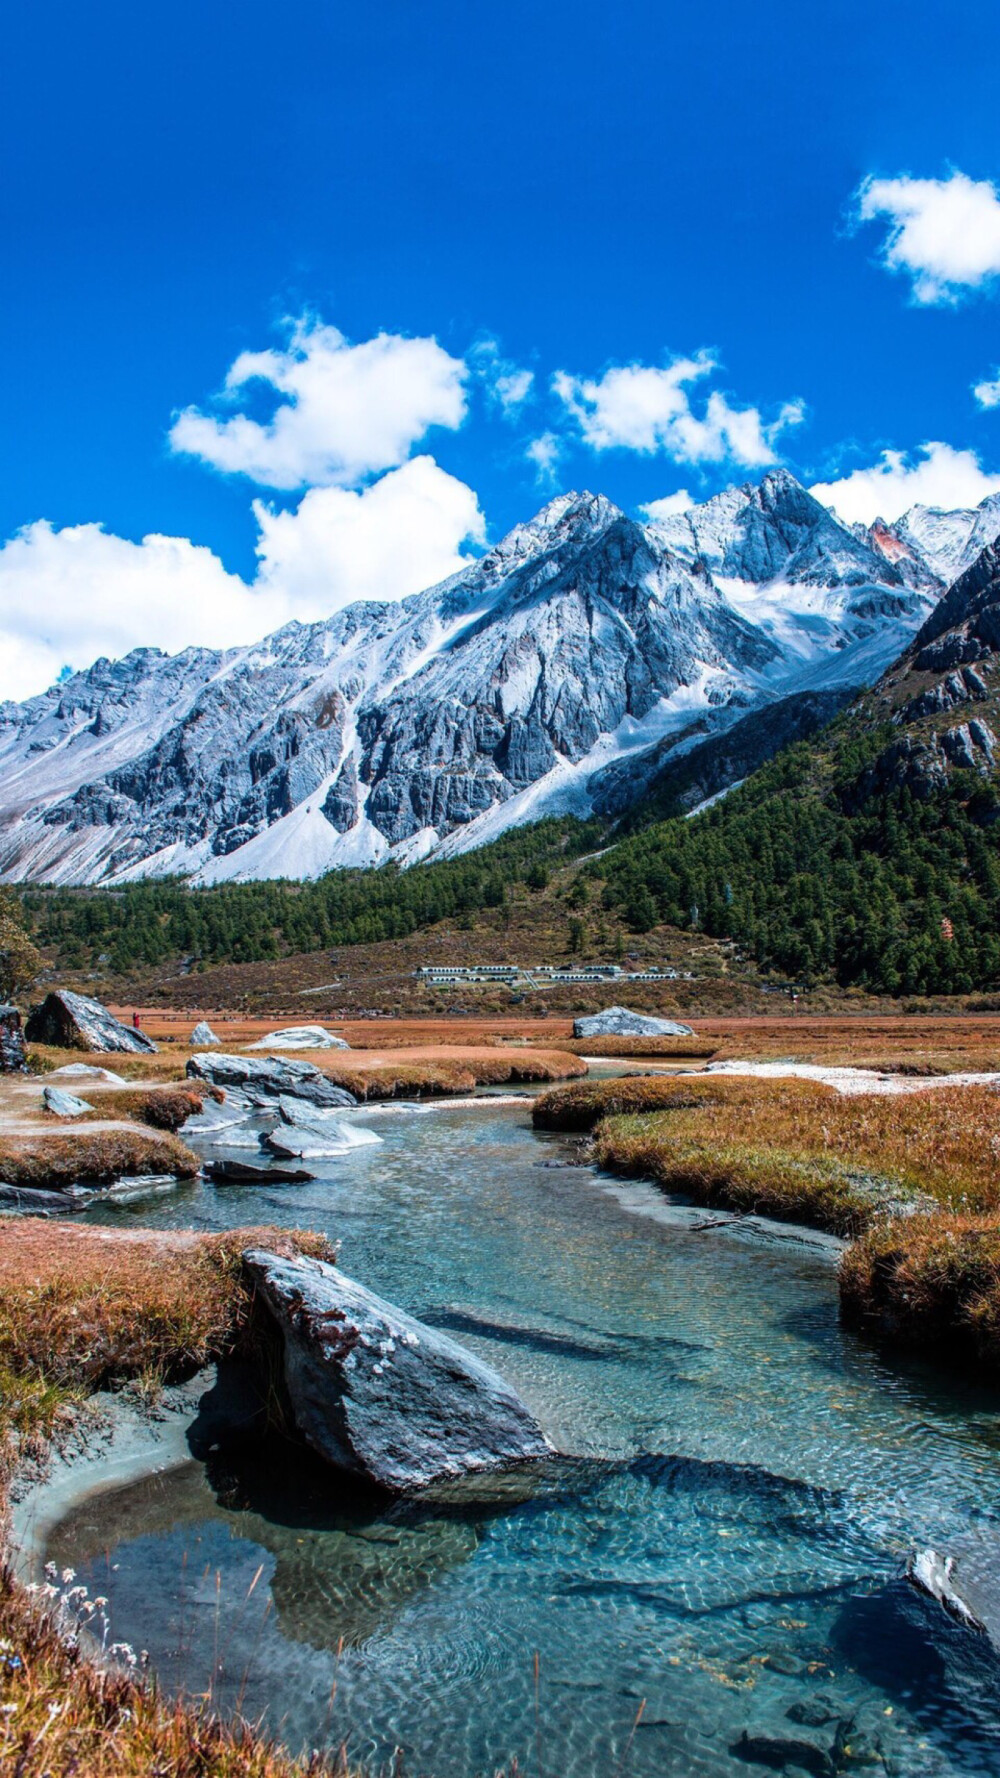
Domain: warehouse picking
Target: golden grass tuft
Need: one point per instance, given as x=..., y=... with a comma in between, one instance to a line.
x=580, y=1107
x=679, y=1049
x=85, y=1307
x=98, y=1156
x=64, y=1715
x=404, y=1080
x=931, y=1282
x=791, y=1148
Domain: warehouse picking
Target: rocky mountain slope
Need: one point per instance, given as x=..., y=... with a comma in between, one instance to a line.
x=575, y=655
x=871, y=852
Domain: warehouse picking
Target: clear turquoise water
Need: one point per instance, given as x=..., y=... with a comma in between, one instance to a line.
x=733, y=1554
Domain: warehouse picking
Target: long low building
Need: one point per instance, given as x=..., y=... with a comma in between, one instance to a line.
x=537, y=975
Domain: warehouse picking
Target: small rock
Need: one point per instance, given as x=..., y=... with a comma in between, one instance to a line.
x=780, y=1751
x=618, y=1021
x=64, y=1104
x=381, y=1395
x=203, y=1034
x=812, y=1713
x=71, y=1021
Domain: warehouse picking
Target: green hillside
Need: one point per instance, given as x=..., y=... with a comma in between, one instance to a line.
x=871, y=854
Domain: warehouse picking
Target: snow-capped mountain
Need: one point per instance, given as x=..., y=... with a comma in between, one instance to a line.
x=581, y=641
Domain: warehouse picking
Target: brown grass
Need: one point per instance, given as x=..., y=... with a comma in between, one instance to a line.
x=676, y=1048
x=67, y=1717
x=580, y=1107
x=415, y=1079
x=86, y=1307
x=792, y=1148
x=98, y=1157
x=931, y=1281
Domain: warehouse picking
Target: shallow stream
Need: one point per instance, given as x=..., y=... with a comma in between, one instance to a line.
x=730, y=1562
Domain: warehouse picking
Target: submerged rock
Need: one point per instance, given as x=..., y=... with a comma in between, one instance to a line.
x=935, y=1574
x=71, y=1021
x=64, y=1104
x=619, y=1021
x=203, y=1034
x=244, y=1173
x=781, y=1751
x=270, y=1077
x=379, y=1394
x=12, y=1055
x=301, y=1037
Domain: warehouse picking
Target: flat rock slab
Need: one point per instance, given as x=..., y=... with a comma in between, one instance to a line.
x=619, y=1021
x=378, y=1394
x=302, y=1140
x=301, y=1037
x=63, y=1104
x=88, y=1071
x=270, y=1076
x=71, y=1021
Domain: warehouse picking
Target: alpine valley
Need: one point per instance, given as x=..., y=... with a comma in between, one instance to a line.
x=586, y=664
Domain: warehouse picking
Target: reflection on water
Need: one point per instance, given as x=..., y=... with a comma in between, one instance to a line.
x=729, y=1552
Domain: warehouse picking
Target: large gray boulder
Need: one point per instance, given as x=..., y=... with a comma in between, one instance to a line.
x=618, y=1021
x=203, y=1034
x=268, y=1077
x=71, y=1021
x=378, y=1394
x=12, y=1056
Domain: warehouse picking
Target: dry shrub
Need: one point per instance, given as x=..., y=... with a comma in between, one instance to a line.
x=98, y=1156
x=85, y=1307
x=159, y=1108
x=64, y=1715
x=931, y=1281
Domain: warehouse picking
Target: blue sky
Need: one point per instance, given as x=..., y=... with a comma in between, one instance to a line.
x=594, y=190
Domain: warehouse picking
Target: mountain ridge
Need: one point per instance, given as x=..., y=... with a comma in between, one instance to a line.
x=580, y=643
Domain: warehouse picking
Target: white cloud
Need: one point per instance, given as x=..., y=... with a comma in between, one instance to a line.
x=345, y=412
x=944, y=233
x=513, y=388
x=988, y=393
x=544, y=453
x=396, y=537
x=508, y=385
x=641, y=407
x=935, y=475
x=67, y=596
x=669, y=506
